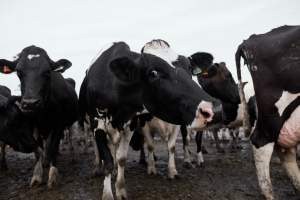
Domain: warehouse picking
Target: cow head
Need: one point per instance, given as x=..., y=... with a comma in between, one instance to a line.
x=215, y=78
x=167, y=92
x=34, y=69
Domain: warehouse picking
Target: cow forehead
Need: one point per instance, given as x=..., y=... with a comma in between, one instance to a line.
x=162, y=50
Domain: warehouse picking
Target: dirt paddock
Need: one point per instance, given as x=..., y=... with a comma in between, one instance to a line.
x=229, y=176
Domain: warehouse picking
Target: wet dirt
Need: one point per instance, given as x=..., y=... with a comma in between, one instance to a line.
x=229, y=176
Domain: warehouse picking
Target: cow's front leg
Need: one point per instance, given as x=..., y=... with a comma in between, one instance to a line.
x=52, y=155
x=171, y=149
x=37, y=176
x=186, y=137
x=200, y=159
x=150, y=146
x=289, y=162
x=121, y=156
x=262, y=158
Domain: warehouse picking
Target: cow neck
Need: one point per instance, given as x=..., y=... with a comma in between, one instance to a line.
x=131, y=103
x=230, y=111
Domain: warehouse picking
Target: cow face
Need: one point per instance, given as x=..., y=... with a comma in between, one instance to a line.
x=34, y=69
x=215, y=79
x=168, y=92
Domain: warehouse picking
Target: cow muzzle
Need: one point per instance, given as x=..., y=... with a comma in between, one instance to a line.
x=204, y=114
x=29, y=105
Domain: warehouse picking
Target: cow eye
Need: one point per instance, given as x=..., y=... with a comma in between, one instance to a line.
x=153, y=75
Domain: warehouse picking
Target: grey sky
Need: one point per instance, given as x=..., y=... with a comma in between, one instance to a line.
x=77, y=30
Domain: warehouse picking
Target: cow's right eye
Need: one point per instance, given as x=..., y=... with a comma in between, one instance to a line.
x=153, y=75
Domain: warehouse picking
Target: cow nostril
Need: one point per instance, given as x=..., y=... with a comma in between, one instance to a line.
x=205, y=114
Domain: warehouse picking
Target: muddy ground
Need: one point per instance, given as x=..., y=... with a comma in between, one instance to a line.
x=229, y=176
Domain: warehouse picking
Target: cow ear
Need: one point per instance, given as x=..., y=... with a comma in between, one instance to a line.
x=61, y=65
x=125, y=70
x=7, y=67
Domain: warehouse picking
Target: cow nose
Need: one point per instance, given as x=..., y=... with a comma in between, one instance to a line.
x=207, y=113
x=29, y=104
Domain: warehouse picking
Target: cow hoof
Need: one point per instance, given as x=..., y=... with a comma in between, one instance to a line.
x=121, y=194
x=53, y=176
x=107, y=197
x=151, y=171
x=35, y=181
x=172, y=177
x=187, y=165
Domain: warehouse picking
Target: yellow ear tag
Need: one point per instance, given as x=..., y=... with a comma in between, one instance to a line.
x=6, y=70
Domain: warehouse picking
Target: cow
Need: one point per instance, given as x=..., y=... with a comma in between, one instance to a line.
x=121, y=83
x=5, y=92
x=46, y=98
x=17, y=130
x=273, y=60
x=217, y=81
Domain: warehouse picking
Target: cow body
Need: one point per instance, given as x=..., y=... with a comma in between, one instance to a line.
x=47, y=99
x=119, y=84
x=273, y=60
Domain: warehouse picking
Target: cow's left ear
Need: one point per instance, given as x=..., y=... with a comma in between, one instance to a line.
x=7, y=67
x=125, y=69
x=61, y=65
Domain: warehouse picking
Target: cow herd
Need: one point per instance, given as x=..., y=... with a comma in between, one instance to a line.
x=127, y=96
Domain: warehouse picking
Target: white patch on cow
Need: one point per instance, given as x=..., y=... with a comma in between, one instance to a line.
x=104, y=48
x=200, y=158
x=31, y=56
x=107, y=191
x=285, y=99
x=161, y=50
x=262, y=157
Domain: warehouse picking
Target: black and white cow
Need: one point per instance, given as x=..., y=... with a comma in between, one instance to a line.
x=273, y=60
x=47, y=99
x=217, y=81
x=120, y=83
x=16, y=130
x=4, y=91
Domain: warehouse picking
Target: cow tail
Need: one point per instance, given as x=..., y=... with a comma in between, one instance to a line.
x=246, y=119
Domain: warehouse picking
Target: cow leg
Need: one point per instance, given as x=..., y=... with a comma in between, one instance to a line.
x=97, y=168
x=289, y=163
x=262, y=158
x=218, y=144
x=186, y=142
x=142, y=160
x=37, y=176
x=234, y=143
x=200, y=160
x=3, y=165
x=171, y=149
x=72, y=131
x=105, y=155
x=150, y=146
x=52, y=155
x=121, y=156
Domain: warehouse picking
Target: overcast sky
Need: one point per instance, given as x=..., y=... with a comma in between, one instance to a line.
x=77, y=29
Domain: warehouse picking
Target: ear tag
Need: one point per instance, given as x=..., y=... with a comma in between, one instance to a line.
x=6, y=69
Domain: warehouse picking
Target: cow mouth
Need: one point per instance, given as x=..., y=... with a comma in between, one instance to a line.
x=24, y=110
